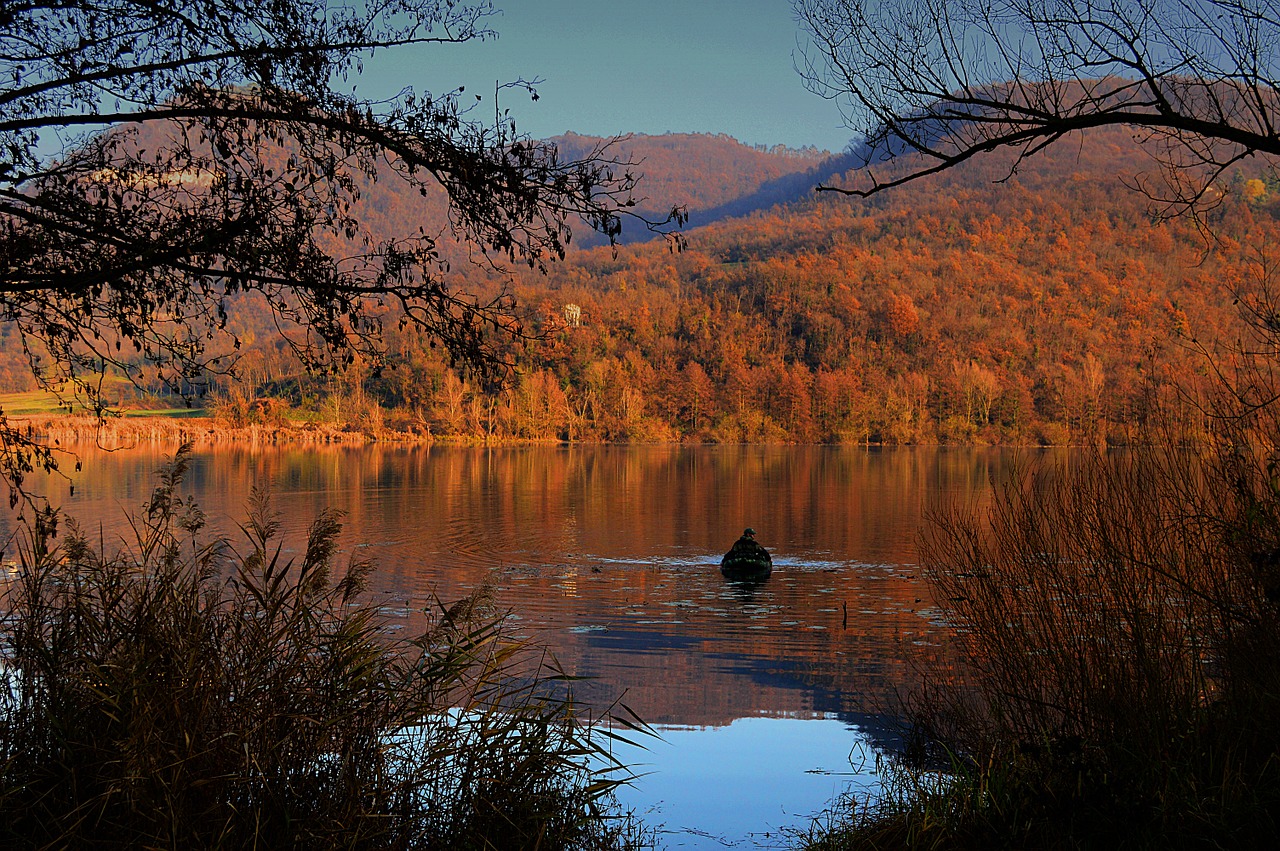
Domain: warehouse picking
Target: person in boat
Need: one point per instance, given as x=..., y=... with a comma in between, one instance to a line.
x=747, y=544
x=746, y=556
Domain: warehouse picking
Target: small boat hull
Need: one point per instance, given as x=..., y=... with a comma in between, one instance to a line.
x=746, y=568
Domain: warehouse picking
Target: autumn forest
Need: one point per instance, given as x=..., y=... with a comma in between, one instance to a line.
x=1051, y=305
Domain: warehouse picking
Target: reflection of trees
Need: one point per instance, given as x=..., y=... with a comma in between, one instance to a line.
x=444, y=521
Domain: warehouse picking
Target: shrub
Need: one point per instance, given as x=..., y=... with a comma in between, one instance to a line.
x=183, y=694
x=1118, y=626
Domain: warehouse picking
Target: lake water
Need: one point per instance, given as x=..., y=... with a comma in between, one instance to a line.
x=770, y=699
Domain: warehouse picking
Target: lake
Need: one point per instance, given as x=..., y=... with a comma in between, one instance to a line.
x=770, y=699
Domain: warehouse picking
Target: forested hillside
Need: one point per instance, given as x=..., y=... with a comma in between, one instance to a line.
x=1045, y=306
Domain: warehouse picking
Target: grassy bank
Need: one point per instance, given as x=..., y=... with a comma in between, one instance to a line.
x=145, y=420
x=194, y=693
x=199, y=431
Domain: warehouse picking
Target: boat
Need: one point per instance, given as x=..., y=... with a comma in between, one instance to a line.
x=747, y=559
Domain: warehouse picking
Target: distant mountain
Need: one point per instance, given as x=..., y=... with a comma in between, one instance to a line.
x=698, y=170
x=711, y=176
x=796, y=186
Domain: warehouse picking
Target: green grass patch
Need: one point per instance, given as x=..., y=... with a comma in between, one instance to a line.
x=132, y=404
x=166, y=413
x=32, y=402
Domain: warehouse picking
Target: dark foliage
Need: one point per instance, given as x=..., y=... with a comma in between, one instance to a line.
x=181, y=694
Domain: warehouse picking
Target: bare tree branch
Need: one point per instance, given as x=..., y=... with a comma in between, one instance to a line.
x=947, y=80
x=161, y=159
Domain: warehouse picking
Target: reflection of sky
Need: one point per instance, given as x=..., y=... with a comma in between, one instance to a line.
x=740, y=785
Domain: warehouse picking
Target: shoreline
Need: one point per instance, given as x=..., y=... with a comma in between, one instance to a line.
x=122, y=432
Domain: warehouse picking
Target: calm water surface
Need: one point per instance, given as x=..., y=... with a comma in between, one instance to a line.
x=770, y=699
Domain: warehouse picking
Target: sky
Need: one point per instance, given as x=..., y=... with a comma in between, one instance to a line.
x=632, y=66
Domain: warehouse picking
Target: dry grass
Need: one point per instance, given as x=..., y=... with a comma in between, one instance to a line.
x=182, y=693
x=172, y=432
x=1121, y=628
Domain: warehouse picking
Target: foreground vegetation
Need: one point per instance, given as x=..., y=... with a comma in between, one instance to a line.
x=1118, y=617
x=182, y=693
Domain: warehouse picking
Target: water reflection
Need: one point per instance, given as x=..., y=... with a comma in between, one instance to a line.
x=610, y=555
x=750, y=783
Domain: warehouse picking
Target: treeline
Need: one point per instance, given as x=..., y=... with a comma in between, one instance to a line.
x=697, y=170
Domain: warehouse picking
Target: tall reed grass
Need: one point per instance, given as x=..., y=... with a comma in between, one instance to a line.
x=1118, y=617
x=184, y=693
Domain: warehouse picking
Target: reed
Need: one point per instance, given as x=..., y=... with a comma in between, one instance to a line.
x=1119, y=623
x=183, y=692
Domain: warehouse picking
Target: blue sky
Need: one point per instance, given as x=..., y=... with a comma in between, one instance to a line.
x=639, y=66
